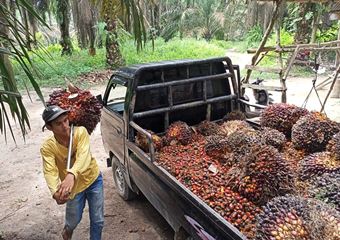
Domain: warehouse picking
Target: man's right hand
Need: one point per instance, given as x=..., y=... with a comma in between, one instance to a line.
x=57, y=198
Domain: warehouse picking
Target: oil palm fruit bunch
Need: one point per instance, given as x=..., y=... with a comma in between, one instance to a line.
x=333, y=146
x=84, y=108
x=313, y=131
x=178, y=133
x=317, y=164
x=273, y=137
x=207, y=128
x=230, y=127
x=326, y=188
x=234, y=115
x=297, y=218
x=142, y=141
x=240, y=143
x=282, y=117
x=215, y=147
x=261, y=175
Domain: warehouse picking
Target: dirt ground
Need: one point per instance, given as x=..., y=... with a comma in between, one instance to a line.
x=29, y=212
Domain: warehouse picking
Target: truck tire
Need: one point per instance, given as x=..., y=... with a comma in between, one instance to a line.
x=122, y=187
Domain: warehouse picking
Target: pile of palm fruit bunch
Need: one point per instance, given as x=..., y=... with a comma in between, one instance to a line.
x=271, y=181
x=205, y=177
x=84, y=108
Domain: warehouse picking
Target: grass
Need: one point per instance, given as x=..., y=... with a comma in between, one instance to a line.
x=58, y=68
x=171, y=50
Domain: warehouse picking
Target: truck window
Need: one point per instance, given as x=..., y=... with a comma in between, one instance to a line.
x=116, y=98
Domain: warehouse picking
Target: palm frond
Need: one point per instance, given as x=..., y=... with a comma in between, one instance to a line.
x=13, y=47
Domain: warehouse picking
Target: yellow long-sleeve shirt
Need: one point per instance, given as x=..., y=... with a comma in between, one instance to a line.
x=84, y=166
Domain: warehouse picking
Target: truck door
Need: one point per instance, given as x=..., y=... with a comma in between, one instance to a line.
x=112, y=121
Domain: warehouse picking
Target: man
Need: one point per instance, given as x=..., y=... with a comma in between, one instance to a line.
x=83, y=181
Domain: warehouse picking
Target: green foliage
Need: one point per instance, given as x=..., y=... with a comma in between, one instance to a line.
x=286, y=38
x=330, y=34
x=254, y=36
x=173, y=49
x=61, y=68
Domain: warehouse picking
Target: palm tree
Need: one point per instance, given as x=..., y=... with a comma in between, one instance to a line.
x=63, y=18
x=12, y=47
x=130, y=14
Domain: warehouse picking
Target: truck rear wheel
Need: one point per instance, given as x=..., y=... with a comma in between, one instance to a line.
x=122, y=187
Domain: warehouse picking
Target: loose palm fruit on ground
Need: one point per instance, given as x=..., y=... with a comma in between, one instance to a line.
x=333, y=146
x=282, y=117
x=207, y=128
x=317, y=164
x=234, y=115
x=261, y=175
x=273, y=137
x=230, y=127
x=313, y=131
x=326, y=188
x=142, y=141
x=178, y=133
x=297, y=218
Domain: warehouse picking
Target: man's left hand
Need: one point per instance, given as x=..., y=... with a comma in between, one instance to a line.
x=66, y=186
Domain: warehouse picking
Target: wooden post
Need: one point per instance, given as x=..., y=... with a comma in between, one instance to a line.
x=336, y=92
x=265, y=37
x=331, y=88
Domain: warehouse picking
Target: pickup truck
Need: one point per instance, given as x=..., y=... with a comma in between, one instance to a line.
x=151, y=97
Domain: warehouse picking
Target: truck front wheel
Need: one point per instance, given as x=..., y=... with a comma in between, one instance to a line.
x=121, y=185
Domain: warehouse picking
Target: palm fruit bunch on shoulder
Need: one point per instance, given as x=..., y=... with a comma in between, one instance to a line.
x=282, y=117
x=230, y=127
x=84, y=108
x=273, y=137
x=178, y=133
x=215, y=147
x=297, y=218
x=333, y=146
x=326, y=188
x=292, y=155
x=313, y=131
x=207, y=128
x=317, y=164
x=234, y=115
x=240, y=143
x=261, y=175
x=142, y=141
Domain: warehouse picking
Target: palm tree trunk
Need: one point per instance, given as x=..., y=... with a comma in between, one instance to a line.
x=63, y=15
x=303, y=26
x=113, y=55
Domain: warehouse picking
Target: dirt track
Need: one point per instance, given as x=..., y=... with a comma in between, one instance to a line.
x=28, y=211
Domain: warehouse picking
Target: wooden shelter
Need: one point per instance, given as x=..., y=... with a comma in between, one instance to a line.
x=284, y=69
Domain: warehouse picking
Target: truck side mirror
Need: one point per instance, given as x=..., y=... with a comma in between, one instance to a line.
x=100, y=99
